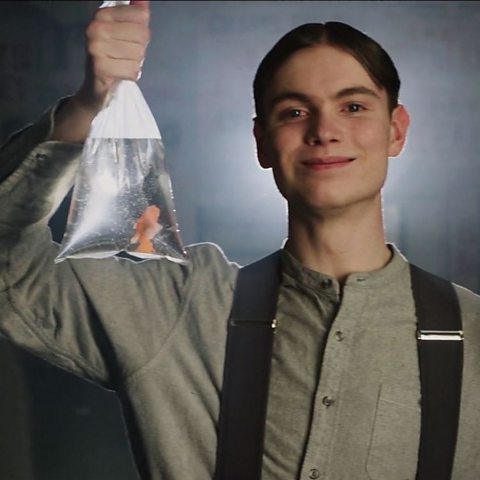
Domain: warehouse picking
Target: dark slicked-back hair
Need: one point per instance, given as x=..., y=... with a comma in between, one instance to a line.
x=364, y=49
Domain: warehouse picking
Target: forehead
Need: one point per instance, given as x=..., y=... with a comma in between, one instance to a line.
x=321, y=70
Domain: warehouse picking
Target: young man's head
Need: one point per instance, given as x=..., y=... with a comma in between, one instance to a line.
x=326, y=98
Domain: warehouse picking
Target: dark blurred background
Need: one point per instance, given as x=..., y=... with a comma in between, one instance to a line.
x=197, y=81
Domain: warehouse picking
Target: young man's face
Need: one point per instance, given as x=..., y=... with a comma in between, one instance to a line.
x=328, y=133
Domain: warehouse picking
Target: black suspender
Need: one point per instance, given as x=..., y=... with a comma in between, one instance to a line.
x=440, y=354
x=248, y=359
x=247, y=371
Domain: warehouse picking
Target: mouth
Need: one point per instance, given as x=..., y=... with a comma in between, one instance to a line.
x=326, y=163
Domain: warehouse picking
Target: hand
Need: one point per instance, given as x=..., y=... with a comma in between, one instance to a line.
x=116, y=42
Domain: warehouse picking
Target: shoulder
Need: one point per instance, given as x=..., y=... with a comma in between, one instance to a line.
x=205, y=260
x=469, y=302
x=470, y=311
x=209, y=260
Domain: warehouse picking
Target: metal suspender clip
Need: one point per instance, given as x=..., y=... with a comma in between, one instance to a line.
x=451, y=335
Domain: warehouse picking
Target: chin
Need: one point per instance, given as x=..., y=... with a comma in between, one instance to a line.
x=331, y=205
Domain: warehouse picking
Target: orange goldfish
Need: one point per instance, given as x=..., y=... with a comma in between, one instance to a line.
x=146, y=227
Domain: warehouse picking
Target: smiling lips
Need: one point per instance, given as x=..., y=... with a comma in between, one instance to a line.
x=326, y=163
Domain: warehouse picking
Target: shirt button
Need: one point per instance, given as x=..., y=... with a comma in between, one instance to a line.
x=326, y=283
x=339, y=336
x=327, y=401
x=314, y=473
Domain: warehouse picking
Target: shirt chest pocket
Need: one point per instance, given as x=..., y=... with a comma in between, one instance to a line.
x=393, y=450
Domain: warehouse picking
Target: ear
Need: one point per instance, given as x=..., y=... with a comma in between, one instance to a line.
x=399, y=124
x=259, y=134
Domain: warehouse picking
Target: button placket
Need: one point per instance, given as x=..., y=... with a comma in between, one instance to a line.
x=327, y=405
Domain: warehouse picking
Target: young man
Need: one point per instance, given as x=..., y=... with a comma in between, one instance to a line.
x=344, y=386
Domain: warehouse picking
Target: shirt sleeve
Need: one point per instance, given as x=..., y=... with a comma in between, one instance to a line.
x=22, y=142
x=101, y=319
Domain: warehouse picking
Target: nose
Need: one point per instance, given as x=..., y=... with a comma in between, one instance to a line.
x=322, y=129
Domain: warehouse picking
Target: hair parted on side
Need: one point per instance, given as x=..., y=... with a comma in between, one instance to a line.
x=364, y=49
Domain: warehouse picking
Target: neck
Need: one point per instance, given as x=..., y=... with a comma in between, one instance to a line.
x=339, y=243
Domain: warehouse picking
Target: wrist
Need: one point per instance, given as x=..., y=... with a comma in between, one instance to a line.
x=88, y=103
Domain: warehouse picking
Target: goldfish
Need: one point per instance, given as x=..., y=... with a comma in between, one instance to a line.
x=146, y=227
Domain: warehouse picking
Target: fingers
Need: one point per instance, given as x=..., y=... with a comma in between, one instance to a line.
x=105, y=31
x=110, y=69
x=117, y=50
x=116, y=43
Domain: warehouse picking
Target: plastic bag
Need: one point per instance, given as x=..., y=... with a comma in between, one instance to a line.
x=122, y=198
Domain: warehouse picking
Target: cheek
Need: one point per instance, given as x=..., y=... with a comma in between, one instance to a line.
x=372, y=136
x=282, y=138
x=282, y=143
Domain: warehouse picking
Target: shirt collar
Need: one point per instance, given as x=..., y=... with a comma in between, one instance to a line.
x=295, y=271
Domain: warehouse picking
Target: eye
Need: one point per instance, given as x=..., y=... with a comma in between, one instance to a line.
x=292, y=113
x=354, y=108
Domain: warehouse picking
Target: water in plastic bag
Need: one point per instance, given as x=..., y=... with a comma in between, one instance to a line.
x=122, y=201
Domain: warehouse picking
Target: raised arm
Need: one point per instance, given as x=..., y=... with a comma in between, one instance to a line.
x=98, y=318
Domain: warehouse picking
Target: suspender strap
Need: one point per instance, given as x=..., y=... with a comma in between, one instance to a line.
x=247, y=371
x=440, y=353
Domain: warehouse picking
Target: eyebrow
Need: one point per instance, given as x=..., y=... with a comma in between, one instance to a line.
x=345, y=92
